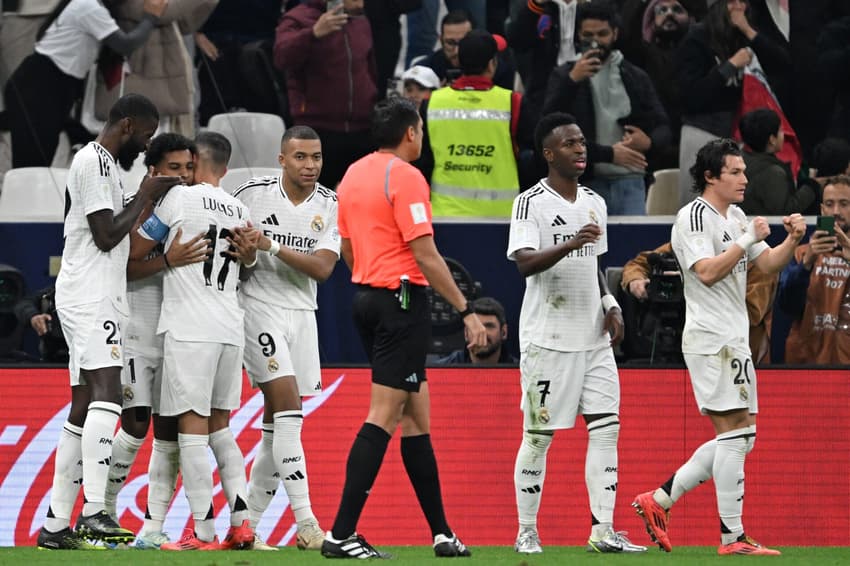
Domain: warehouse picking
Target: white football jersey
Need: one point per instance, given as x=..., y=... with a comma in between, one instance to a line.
x=715, y=316
x=305, y=228
x=199, y=300
x=145, y=299
x=89, y=274
x=561, y=308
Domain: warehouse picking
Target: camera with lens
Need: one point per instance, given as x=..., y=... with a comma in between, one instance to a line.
x=654, y=326
x=52, y=346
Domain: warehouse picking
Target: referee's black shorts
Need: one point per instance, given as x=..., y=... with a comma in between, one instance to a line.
x=395, y=340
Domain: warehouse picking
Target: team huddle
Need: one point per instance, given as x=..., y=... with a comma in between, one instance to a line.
x=160, y=324
x=186, y=314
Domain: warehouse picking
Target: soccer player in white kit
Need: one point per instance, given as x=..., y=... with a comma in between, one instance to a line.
x=168, y=154
x=202, y=354
x=713, y=241
x=92, y=305
x=297, y=218
x=568, y=322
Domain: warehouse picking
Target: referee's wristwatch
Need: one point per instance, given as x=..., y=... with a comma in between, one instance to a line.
x=466, y=311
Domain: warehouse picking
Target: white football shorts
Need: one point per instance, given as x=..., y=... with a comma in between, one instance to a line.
x=558, y=386
x=93, y=335
x=281, y=342
x=723, y=381
x=200, y=376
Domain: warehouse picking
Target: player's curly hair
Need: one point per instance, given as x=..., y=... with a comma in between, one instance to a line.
x=166, y=143
x=710, y=159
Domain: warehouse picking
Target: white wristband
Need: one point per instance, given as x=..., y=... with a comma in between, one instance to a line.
x=745, y=240
x=609, y=302
x=252, y=264
x=274, y=248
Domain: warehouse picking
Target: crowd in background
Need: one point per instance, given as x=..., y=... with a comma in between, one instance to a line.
x=649, y=82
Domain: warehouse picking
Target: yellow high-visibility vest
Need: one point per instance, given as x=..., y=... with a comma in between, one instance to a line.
x=475, y=171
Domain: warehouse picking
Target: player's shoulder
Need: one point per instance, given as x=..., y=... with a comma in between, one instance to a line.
x=696, y=216
x=525, y=202
x=256, y=186
x=93, y=155
x=325, y=193
x=594, y=199
x=736, y=212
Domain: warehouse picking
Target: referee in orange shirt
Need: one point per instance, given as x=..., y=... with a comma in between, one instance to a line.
x=388, y=243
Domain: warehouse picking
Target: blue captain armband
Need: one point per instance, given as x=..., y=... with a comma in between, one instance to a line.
x=155, y=229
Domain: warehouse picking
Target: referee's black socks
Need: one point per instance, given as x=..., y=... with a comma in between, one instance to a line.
x=364, y=461
x=417, y=453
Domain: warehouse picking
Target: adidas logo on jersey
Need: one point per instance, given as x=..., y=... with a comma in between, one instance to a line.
x=412, y=378
x=558, y=221
x=271, y=220
x=727, y=237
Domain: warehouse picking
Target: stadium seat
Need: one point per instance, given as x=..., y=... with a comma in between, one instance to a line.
x=235, y=177
x=663, y=195
x=33, y=194
x=255, y=137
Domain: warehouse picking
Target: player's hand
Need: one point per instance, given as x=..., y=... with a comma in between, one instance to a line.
x=39, y=323
x=587, y=66
x=587, y=234
x=476, y=334
x=636, y=139
x=192, y=251
x=152, y=188
x=795, y=225
x=206, y=46
x=761, y=229
x=244, y=244
x=628, y=157
x=155, y=7
x=614, y=325
x=637, y=287
x=330, y=22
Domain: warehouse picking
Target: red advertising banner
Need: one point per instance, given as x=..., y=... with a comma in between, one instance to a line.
x=798, y=473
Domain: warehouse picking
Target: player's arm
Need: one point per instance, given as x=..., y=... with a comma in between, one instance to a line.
x=530, y=261
x=434, y=267
x=177, y=255
x=108, y=228
x=613, y=323
x=773, y=260
x=710, y=270
x=319, y=265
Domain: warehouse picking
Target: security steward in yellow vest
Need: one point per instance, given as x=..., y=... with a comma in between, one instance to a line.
x=470, y=149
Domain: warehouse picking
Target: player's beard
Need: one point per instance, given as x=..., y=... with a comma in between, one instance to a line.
x=127, y=155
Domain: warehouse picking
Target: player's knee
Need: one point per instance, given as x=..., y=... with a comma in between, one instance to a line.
x=537, y=442
x=604, y=431
x=135, y=421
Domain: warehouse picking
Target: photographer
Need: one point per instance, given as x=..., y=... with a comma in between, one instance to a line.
x=761, y=289
x=39, y=312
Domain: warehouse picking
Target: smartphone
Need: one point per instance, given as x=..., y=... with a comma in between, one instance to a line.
x=333, y=4
x=827, y=224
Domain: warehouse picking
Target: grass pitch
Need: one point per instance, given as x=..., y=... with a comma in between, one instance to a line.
x=418, y=555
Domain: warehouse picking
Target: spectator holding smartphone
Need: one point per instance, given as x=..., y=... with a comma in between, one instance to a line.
x=813, y=288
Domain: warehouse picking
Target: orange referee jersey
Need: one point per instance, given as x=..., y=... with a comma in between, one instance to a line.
x=384, y=203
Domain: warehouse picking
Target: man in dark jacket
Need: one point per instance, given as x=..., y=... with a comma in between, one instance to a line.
x=616, y=107
x=331, y=78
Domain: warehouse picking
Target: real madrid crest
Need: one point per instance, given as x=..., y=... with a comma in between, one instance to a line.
x=116, y=353
x=273, y=365
x=317, y=224
x=128, y=393
x=743, y=393
x=544, y=415
x=593, y=217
